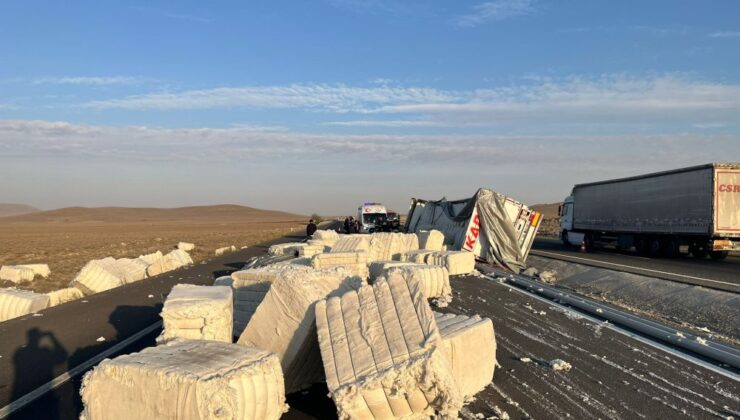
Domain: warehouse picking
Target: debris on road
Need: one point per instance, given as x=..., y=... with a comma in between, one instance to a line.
x=224, y=250
x=17, y=302
x=560, y=365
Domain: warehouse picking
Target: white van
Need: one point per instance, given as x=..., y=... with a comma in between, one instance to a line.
x=370, y=215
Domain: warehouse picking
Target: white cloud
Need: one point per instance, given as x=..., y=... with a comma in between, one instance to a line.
x=387, y=123
x=336, y=98
x=88, y=80
x=496, y=10
x=724, y=34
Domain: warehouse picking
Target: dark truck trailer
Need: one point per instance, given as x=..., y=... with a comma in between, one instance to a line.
x=660, y=213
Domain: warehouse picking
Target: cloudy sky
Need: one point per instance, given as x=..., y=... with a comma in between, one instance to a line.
x=317, y=106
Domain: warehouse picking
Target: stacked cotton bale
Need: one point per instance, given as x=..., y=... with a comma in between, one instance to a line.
x=312, y=249
x=171, y=261
x=381, y=355
x=432, y=240
x=16, y=302
x=16, y=273
x=186, y=380
x=186, y=246
x=389, y=246
x=352, y=243
x=284, y=323
x=197, y=313
x=224, y=250
x=470, y=345
x=379, y=268
x=354, y=262
x=68, y=294
x=434, y=280
x=290, y=248
x=418, y=256
x=456, y=262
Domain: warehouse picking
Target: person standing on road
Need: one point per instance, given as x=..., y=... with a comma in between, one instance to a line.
x=347, y=226
x=311, y=228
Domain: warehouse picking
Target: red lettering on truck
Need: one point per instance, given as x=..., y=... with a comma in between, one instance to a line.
x=729, y=188
x=472, y=236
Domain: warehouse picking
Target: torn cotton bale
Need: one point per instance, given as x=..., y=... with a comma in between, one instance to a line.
x=290, y=248
x=41, y=270
x=389, y=246
x=434, y=280
x=326, y=236
x=284, y=323
x=351, y=243
x=419, y=256
x=432, y=240
x=197, y=313
x=16, y=302
x=379, y=268
x=224, y=250
x=456, y=262
x=150, y=259
x=186, y=246
x=65, y=295
x=470, y=345
x=354, y=262
x=380, y=348
x=171, y=261
x=16, y=274
x=186, y=380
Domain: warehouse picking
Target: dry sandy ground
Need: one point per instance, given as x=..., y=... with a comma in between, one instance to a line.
x=66, y=239
x=550, y=225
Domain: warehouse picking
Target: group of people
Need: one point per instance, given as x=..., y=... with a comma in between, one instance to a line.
x=351, y=225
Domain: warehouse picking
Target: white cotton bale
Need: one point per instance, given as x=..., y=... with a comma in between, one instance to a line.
x=171, y=261
x=290, y=248
x=418, y=256
x=16, y=302
x=151, y=258
x=388, y=246
x=68, y=294
x=38, y=269
x=284, y=322
x=304, y=261
x=186, y=246
x=16, y=273
x=435, y=280
x=352, y=243
x=132, y=269
x=354, y=262
x=432, y=240
x=329, y=237
x=311, y=249
x=379, y=347
x=98, y=276
x=198, y=312
x=378, y=268
x=470, y=345
x=456, y=262
x=186, y=380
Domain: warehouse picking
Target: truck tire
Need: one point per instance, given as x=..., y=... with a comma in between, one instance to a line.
x=698, y=252
x=642, y=246
x=718, y=255
x=655, y=247
x=670, y=247
x=564, y=238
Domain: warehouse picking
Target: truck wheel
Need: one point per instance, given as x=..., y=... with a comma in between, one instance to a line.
x=641, y=246
x=718, y=255
x=670, y=248
x=564, y=238
x=655, y=247
x=698, y=252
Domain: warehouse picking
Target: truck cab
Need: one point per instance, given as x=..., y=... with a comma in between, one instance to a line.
x=565, y=211
x=371, y=216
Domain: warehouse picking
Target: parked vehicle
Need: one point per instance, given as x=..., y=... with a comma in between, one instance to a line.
x=659, y=214
x=371, y=216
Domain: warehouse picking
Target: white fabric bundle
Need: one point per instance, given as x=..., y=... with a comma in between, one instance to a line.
x=354, y=262
x=16, y=302
x=290, y=248
x=456, y=262
x=186, y=380
x=57, y=297
x=470, y=345
x=224, y=250
x=387, y=246
x=434, y=280
x=380, y=351
x=379, y=268
x=284, y=323
x=419, y=256
x=16, y=273
x=171, y=261
x=197, y=313
x=432, y=240
x=186, y=246
x=352, y=243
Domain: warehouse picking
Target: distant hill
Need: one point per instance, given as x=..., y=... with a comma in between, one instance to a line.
x=222, y=212
x=11, y=209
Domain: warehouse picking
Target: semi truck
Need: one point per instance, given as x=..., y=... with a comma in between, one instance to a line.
x=694, y=209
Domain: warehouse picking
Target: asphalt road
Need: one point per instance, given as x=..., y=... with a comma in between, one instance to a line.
x=685, y=268
x=612, y=376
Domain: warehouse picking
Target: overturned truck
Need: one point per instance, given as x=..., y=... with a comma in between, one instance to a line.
x=495, y=228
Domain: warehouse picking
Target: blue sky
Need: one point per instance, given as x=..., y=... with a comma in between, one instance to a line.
x=315, y=106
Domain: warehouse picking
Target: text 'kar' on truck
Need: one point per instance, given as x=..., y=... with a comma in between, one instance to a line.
x=661, y=214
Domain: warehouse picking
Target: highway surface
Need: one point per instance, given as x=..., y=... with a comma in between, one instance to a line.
x=723, y=274
x=612, y=376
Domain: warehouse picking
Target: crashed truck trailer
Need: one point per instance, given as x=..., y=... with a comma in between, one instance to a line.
x=495, y=228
